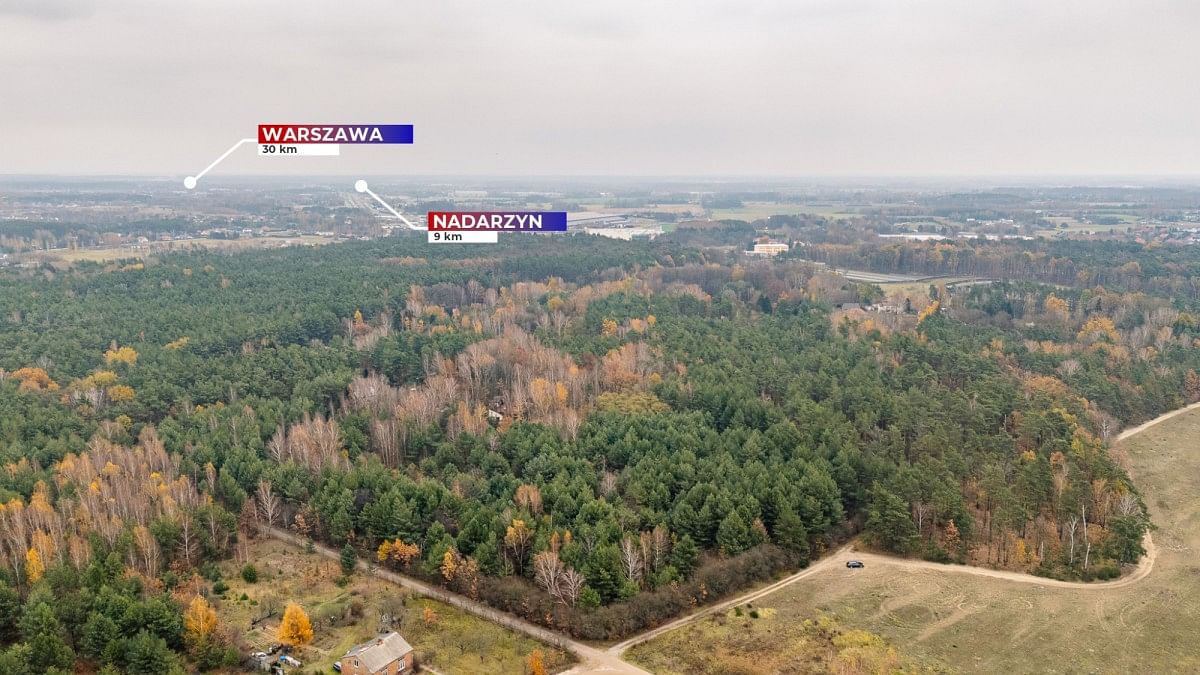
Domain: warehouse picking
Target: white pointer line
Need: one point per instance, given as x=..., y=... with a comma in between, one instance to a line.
x=361, y=186
x=190, y=181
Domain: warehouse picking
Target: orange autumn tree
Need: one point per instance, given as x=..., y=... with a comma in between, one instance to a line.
x=384, y=551
x=295, y=629
x=34, y=568
x=34, y=379
x=200, y=620
x=930, y=309
x=517, y=539
x=536, y=663
x=120, y=392
x=450, y=563
x=398, y=551
x=126, y=355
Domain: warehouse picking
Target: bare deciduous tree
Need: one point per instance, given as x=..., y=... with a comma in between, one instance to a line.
x=1087, y=542
x=632, y=560
x=529, y=497
x=1127, y=505
x=189, y=544
x=548, y=572
x=572, y=586
x=268, y=503
x=1071, y=526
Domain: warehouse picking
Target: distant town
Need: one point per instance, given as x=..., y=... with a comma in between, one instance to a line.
x=112, y=219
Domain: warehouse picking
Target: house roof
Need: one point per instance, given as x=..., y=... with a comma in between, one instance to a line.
x=378, y=653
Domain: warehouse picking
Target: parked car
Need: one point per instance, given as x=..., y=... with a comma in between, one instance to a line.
x=855, y=564
x=337, y=665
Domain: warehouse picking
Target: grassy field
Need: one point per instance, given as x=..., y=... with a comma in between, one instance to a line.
x=453, y=642
x=749, y=211
x=966, y=623
x=159, y=247
x=1074, y=226
x=732, y=643
x=756, y=210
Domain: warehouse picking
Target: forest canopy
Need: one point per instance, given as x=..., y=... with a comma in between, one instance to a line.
x=595, y=435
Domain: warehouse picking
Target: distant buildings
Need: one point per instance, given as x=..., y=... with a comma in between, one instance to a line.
x=770, y=248
x=765, y=247
x=613, y=225
x=915, y=236
x=592, y=219
x=626, y=233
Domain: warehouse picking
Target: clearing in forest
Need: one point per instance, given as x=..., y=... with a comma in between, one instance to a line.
x=444, y=637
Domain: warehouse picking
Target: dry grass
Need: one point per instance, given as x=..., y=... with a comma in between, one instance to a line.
x=984, y=625
x=734, y=641
x=454, y=642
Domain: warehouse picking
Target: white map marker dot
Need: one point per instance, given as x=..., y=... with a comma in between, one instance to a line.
x=360, y=185
x=190, y=182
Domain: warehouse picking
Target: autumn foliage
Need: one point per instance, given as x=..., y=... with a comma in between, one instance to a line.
x=295, y=629
x=200, y=620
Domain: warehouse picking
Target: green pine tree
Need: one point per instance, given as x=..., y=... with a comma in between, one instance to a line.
x=888, y=521
x=791, y=534
x=685, y=556
x=733, y=535
x=348, y=559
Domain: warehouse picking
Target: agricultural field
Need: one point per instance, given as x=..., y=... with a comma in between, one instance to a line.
x=751, y=211
x=1075, y=226
x=159, y=247
x=444, y=637
x=956, y=621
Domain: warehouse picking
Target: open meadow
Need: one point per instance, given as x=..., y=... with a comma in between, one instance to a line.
x=959, y=622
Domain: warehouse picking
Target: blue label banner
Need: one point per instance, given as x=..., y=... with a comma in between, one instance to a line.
x=498, y=221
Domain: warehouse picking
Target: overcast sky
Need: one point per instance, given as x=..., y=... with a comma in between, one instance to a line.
x=639, y=87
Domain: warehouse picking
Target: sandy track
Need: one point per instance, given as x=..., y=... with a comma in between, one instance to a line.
x=1141, y=571
x=592, y=659
x=830, y=560
x=595, y=660
x=1161, y=418
x=1144, y=567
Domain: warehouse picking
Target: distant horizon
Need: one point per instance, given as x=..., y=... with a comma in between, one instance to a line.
x=1116, y=180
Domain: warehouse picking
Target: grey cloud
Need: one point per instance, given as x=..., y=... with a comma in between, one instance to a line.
x=756, y=87
x=51, y=10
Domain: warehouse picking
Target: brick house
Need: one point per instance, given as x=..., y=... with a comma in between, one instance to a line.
x=385, y=655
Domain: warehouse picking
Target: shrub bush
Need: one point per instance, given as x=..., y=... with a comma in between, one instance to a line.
x=716, y=577
x=250, y=574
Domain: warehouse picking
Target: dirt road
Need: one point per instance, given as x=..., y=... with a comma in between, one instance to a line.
x=833, y=559
x=594, y=660
x=1161, y=418
x=591, y=659
x=1143, y=569
x=1144, y=566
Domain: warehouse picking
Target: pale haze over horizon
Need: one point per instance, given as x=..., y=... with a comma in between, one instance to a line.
x=758, y=88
